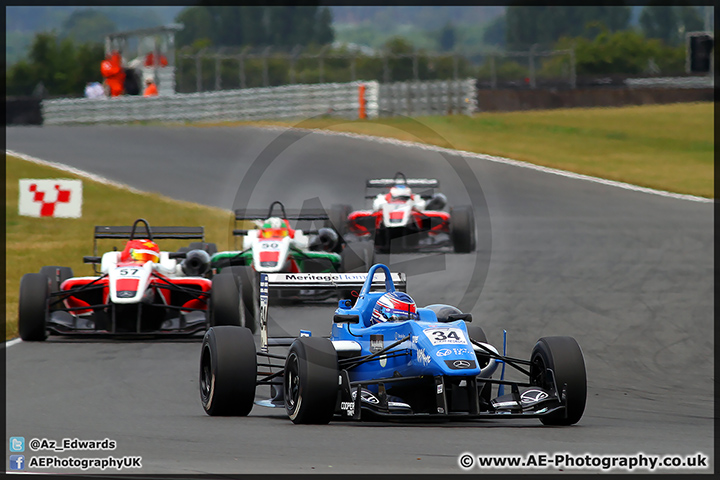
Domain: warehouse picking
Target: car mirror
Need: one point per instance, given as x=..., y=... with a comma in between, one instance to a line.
x=177, y=254
x=240, y=232
x=338, y=318
x=460, y=316
x=92, y=259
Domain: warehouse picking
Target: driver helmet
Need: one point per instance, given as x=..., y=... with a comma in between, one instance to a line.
x=400, y=193
x=274, y=227
x=141, y=251
x=394, y=307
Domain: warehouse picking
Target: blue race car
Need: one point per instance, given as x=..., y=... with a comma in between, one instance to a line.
x=386, y=358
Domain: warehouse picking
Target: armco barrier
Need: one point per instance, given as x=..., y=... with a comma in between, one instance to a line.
x=428, y=98
x=290, y=101
x=245, y=104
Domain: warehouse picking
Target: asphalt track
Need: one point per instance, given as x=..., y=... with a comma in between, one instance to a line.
x=628, y=274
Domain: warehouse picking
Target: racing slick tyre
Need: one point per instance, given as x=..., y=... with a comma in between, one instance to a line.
x=462, y=229
x=57, y=276
x=310, y=383
x=225, y=304
x=338, y=218
x=563, y=356
x=210, y=248
x=228, y=371
x=250, y=283
x=32, y=307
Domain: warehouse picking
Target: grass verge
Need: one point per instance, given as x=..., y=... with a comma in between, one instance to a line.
x=667, y=147
x=31, y=243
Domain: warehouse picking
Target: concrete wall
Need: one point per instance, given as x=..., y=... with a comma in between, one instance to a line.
x=511, y=100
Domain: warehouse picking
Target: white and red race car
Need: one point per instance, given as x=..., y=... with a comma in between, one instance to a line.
x=139, y=290
x=401, y=219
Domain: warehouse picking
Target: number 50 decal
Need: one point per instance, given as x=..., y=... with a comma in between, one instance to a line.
x=442, y=336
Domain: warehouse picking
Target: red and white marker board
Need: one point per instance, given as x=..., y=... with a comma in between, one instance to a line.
x=59, y=198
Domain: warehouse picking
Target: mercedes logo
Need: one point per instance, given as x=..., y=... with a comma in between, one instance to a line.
x=461, y=364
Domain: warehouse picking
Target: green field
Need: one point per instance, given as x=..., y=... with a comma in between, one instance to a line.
x=31, y=243
x=666, y=147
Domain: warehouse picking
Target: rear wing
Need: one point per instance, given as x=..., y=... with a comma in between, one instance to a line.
x=410, y=182
x=307, y=215
x=425, y=184
x=123, y=232
x=314, y=281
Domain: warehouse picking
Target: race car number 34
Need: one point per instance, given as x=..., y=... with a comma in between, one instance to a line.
x=444, y=336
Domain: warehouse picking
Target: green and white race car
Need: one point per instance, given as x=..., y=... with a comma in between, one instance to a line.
x=275, y=247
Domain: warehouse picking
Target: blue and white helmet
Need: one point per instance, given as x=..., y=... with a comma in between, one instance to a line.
x=394, y=307
x=401, y=192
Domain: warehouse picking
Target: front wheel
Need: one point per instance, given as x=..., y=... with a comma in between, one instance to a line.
x=563, y=356
x=33, y=307
x=228, y=371
x=310, y=382
x=462, y=229
x=225, y=304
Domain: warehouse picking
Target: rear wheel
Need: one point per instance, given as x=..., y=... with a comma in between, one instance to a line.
x=225, y=304
x=338, y=218
x=32, y=307
x=563, y=356
x=462, y=229
x=250, y=281
x=311, y=380
x=228, y=371
x=210, y=248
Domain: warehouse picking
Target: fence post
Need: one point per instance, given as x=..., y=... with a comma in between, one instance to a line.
x=241, y=61
x=321, y=62
x=493, y=73
x=455, y=66
x=265, y=54
x=293, y=59
x=198, y=70
x=352, y=67
x=415, y=66
x=531, y=64
x=573, y=71
x=386, y=68
x=218, y=80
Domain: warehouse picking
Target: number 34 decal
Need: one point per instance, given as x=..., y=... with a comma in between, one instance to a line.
x=441, y=336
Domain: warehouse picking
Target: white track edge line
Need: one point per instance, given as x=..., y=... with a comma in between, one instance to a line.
x=73, y=170
x=502, y=160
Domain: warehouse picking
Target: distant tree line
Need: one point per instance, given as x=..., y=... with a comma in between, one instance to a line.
x=255, y=25
x=601, y=36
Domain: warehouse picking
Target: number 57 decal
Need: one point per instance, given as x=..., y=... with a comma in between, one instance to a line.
x=128, y=272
